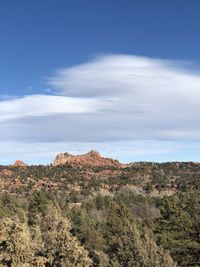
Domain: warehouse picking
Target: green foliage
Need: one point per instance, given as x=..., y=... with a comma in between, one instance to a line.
x=15, y=243
x=178, y=230
x=110, y=228
x=10, y=207
x=48, y=243
x=38, y=204
x=112, y=211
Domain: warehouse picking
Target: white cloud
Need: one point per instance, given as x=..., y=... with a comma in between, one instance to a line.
x=44, y=105
x=149, y=98
x=119, y=98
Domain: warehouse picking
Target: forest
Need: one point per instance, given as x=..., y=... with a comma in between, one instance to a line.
x=145, y=215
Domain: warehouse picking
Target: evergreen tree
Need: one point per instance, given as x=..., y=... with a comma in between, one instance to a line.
x=60, y=246
x=48, y=243
x=15, y=243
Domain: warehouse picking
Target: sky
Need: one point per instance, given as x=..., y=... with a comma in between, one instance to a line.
x=118, y=76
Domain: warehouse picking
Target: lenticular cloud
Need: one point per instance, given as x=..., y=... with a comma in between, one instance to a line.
x=113, y=98
x=145, y=98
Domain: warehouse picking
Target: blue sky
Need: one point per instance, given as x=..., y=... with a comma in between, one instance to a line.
x=47, y=49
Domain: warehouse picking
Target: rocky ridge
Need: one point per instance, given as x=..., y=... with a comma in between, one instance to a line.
x=92, y=158
x=20, y=163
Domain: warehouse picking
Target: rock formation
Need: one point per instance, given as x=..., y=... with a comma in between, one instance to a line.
x=92, y=158
x=20, y=163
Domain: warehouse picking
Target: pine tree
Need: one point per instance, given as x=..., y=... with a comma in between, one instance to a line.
x=129, y=247
x=15, y=243
x=60, y=246
x=47, y=243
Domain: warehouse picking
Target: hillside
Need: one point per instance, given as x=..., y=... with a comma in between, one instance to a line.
x=139, y=214
x=142, y=177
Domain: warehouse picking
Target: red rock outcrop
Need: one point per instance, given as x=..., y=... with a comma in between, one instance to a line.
x=20, y=163
x=92, y=158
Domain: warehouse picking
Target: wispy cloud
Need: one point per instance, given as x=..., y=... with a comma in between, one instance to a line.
x=149, y=98
x=121, y=98
x=44, y=105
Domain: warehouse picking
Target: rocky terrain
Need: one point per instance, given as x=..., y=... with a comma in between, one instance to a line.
x=116, y=212
x=88, y=173
x=92, y=158
x=20, y=163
